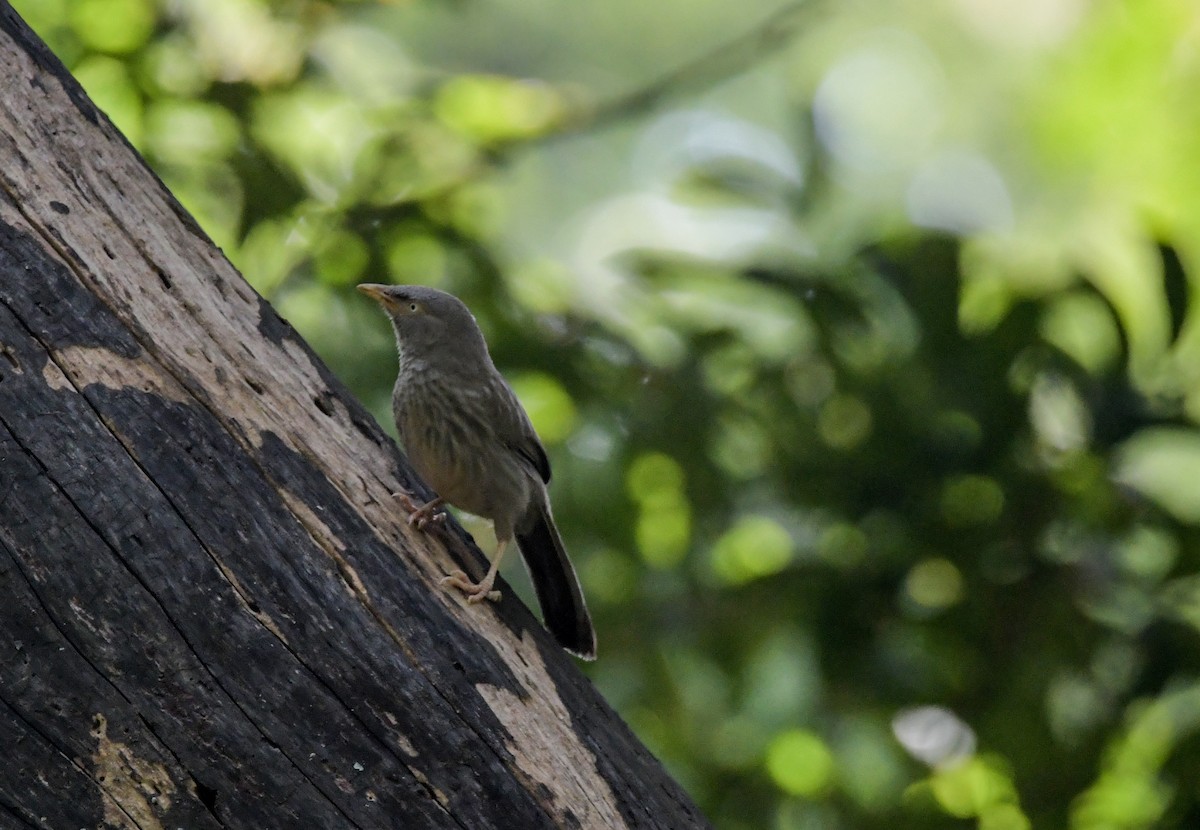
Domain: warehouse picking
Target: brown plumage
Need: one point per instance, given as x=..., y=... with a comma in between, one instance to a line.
x=468, y=438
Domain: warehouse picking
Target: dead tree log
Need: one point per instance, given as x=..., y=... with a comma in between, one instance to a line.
x=213, y=615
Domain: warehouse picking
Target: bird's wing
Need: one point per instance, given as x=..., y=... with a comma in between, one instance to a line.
x=535, y=454
x=516, y=432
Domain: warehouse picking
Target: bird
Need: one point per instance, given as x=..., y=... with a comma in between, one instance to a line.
x=470, y=440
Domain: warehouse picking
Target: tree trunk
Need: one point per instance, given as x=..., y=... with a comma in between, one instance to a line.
x=214, y=615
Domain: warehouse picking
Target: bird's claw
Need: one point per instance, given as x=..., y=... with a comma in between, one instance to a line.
x=420, y=515
x=457, y=579
x=476, y=592
x=418, y=519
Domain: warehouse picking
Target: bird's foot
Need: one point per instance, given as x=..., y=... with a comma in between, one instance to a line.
x=476, y=591
x=420, y=515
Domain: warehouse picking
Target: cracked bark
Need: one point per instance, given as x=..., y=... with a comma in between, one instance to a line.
x=213, y=615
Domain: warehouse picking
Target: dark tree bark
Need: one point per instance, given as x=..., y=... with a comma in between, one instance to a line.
x=213, y=613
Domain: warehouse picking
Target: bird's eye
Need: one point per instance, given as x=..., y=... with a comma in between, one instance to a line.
x=413, y=307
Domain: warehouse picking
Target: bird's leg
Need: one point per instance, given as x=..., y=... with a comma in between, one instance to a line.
x=478, y=591
x=420, y=515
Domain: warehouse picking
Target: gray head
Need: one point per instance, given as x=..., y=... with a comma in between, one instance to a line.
x=431, y=325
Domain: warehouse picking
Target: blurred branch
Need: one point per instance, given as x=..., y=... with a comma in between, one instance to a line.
x=724, y=60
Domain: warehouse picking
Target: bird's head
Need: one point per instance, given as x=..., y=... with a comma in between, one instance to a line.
x=427, y=321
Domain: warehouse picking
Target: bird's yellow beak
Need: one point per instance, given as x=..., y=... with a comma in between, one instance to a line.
x=375, y=291
x=379, y=293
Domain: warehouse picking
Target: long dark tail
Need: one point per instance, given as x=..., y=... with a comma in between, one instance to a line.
x=557, y=586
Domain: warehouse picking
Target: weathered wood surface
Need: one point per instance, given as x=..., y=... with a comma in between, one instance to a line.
x=213, y=615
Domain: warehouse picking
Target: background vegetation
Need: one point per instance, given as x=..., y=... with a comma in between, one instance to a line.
x=862, y=335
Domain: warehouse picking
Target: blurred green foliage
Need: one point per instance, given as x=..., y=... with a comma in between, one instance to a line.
x=862, y=335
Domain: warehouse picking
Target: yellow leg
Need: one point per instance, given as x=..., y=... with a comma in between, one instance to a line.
x=478, y=591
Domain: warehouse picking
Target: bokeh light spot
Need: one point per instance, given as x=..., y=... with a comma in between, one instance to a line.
x=341, y=258
x=416, y=257
x=741, y=447
x=800, y=763
x=610, y=576
x=933, y=734
x=971, y=500
x=492, y=108
x=844, y=422
x=653, y=474
x=113, y=26
x=1163, y=464
x=662, y=534
x=754, y=547
x=188, y=131
x=843, y=545
x=934, y=584
x=978, y=787
x=881, y=105
x=960, y=192
x=664, y=524
x=549, y=405
x=1082, y=325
